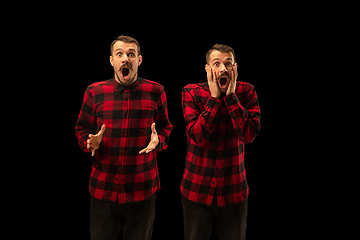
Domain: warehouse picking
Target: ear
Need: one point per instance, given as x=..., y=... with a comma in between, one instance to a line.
x=111, y=61
x=206, y=65
x=140, y=60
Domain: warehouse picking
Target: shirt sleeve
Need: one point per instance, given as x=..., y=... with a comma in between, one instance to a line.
x=245, y=115
x=86, y=122
x=199, y=124
x=163, y=124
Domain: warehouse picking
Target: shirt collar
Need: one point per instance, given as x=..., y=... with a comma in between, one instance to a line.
x=133, y=87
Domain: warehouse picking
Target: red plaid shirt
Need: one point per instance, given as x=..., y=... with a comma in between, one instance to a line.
x=119, y=173
x=217, y=130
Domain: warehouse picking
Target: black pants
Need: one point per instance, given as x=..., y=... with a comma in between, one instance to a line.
x=230, y=221
x=136, y=220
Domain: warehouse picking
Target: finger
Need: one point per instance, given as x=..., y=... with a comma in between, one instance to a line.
x=88, y=145
x=92, y=152
x=236, y=72
x=214, y=76
x=142, y=151
x=209, y=72
x=150, y=147
x=149, y=150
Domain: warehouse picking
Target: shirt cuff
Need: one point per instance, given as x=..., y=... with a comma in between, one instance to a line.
x=159, y=147
x=231, y=99
x=212, y=102
x=85, y=147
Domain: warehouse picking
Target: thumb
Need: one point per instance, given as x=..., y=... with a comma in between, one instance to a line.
x=153, y=128
x=102, y=130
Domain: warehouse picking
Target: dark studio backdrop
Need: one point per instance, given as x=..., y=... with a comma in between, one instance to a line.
x=174, y=55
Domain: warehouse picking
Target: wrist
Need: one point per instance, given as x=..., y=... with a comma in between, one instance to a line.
x=215, y=95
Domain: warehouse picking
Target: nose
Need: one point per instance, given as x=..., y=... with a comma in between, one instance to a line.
x=223, y=69
x=125, y=59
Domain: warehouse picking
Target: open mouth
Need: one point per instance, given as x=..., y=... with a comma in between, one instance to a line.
x=125, y=72
x=223, y=81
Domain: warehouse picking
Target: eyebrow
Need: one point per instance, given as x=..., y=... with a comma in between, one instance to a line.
x=130, y=50
x=219, y=59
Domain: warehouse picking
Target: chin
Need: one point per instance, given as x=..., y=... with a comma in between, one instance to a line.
x=224, y=88
x=125, y=80
x=129, y=80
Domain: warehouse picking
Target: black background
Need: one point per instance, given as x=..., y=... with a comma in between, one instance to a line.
x=270, y=50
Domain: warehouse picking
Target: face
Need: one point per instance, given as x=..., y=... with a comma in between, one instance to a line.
x=125, y=59
x=222, y=64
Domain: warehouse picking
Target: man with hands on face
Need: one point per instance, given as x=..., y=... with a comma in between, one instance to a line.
x=221, y=116
x=123, y=122
x=221, y=77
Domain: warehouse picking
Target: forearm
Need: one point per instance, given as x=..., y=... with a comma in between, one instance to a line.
x=163, y=135
x=163, y=124
x=82, y=136
x=246, y=122
x=86, y=122
x=200, y=126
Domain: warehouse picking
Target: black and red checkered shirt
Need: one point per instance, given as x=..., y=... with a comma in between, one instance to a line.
x=119, y=173
x=217, y=130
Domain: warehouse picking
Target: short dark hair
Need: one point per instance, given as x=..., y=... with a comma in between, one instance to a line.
x=125, y=39
x=221, y=48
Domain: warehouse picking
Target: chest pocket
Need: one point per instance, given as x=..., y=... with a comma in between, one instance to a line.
x=142, y=117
